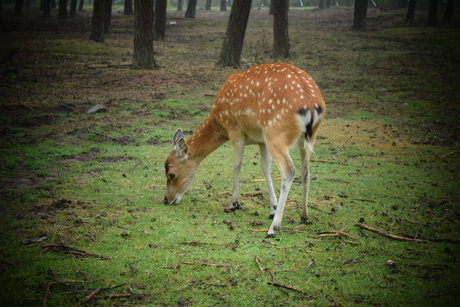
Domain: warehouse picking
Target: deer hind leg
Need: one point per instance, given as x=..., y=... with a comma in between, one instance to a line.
x=266, y=161
x=287, y=169
x=305, y=149
x=238, y=152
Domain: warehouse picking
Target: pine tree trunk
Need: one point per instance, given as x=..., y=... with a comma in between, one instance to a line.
x=360, y=13
x=108, y=16
x=411, y=11
x=448, y=11
x=191, y=9
x=97, y=21
x=280, y=29
x=432, y=13
x=62, y=13
x=232, y=46
x=46, y=8
x=73, y=8
x=128, y=8
x=143, y=57
x=160, y=20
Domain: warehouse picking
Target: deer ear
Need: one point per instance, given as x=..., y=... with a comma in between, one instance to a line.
x=177, y=136
x=181, y=149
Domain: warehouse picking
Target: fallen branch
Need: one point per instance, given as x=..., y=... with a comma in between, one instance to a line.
x=335, y=233
x=196, y=243
x=121, y=141
x=89, y=296
x=450, y=153
x=70, y=250
x=385, y=234
x=331, y=162
x=256, y=258
x=285, y=287
x=207, y=264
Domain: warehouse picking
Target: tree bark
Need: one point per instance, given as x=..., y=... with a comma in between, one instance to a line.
x=223, y=5
x=432, y=13
x=411, y=10
x=46, y=5
x=280, y=29
x=208, y=5
x=107, y=16
x=232, y=46
x=128, y=8
x=143, y=57
x=179, y=5
x=80, y=5
x=97, y=21
x=448, y=11
x=160, y=20
x=360, y=13
x=73, y=8
x=62, y=13
x=191, y=9
x=18, y=7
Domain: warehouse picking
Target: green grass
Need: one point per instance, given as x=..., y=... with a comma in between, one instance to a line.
x=378, y=161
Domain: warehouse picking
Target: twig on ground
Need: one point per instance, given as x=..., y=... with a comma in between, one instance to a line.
x=47, y=292
x=389, y=235
x=207, y=264
x=341, y=147
x=196, y=243
x=70, y=250
x=89, y=296
x=121, y=141
x=256, y=258
x=450, y=153
x=331, y=162
x=286, y=287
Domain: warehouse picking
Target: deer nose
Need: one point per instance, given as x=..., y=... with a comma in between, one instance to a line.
x=165, y=201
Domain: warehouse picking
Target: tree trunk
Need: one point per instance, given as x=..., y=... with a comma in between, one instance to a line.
x=359, y=20
x=208, y=5
x=223, y=5
x=128, y=8
x=411, y=11
x=46, y=5
x=191, y=9
x=432, y=13
x=272, y=8
x=179, y=5
x=143, y=57
x=448, y=11
x=160, y=20
x=80, y=5
x=234, y=37
x=62, y=13
x=73, y=8
x=97, y=21
x=18, y=7
x=107, y=16
x=280, y=29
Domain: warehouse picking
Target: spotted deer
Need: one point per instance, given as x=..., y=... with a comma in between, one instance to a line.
x=272, y=105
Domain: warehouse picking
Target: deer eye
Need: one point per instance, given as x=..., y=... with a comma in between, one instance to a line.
x=172, y=176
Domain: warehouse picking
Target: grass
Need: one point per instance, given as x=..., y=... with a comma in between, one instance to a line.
x=378, y=161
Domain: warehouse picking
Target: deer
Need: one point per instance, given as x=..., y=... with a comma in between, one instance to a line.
x=275, y=106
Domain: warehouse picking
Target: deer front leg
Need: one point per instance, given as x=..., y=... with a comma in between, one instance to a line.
x=266, y=161
x=238, y=151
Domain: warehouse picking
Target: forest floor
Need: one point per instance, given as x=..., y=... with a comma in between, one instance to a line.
x=388, y=154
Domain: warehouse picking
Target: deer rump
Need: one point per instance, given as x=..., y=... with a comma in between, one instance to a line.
x=273, y=105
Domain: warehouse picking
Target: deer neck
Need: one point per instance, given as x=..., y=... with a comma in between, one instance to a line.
x=207, y=138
